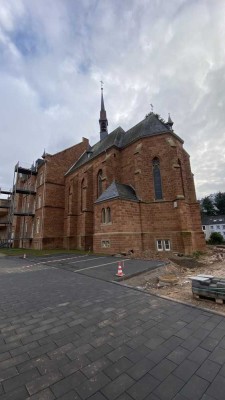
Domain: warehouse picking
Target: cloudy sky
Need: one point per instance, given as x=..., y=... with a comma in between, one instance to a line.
x=53, y=53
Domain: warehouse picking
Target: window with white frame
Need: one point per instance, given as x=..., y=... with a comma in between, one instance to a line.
x=211, y=227
x=203, y=227
x=163, y=245
x=167, y=245
x=159, y=245
x=217, y=226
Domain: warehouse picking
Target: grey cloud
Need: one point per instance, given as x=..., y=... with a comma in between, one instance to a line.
x=170, y=54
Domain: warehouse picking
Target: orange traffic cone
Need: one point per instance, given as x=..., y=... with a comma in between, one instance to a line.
x=120, y=271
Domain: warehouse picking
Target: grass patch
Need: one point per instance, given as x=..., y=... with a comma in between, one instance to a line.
x=197, y=254
x=36, y=253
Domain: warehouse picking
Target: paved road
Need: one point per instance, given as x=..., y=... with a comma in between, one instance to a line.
x=101, y=267
x=66, y=335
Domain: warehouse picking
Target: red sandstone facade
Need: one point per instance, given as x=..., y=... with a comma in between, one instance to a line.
x=135, y=226
x=110, y=198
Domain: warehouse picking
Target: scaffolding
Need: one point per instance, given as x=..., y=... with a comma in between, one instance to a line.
x=21, y=205
x=4, y=212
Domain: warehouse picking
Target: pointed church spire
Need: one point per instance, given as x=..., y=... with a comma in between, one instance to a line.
x=170, y=122
x=103, y=122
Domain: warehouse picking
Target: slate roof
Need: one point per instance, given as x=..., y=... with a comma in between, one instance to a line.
x=118, y=190
x=213, y=220
x=149, y=126
x=113, y=139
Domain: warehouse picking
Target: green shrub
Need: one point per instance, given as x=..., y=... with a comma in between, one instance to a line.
x=216, y=238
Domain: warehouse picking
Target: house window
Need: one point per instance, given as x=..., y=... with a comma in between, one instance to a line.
x=211, y=227
x=108, y=215
x=223, y=226
x=157, y=179
x=99, y=183
x=203, y=227
x=163, y=245
x=167, y=245
x=217, y=226
x=103, y=216
x=159, y=245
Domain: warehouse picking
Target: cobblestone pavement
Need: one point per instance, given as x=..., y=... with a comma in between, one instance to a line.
x=65, y=336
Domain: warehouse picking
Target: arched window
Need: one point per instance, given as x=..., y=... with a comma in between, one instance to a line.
x=108, y=215
x=99, y=183
x=157, y=179
x=181, y=177
x=103, y=216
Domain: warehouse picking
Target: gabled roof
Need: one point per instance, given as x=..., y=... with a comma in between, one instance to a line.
x=150, y=126
x=118, y=190
x=113, y=139
x=213, y=219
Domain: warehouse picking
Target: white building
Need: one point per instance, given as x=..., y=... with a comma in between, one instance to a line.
x=215, y=223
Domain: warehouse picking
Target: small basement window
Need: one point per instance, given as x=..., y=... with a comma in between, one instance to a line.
x=105, y=243
x=159, y=245
x=163, y=245
x=167, y=245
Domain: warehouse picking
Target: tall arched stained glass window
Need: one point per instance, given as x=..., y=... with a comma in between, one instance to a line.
x=99, y=183
x=157, y=179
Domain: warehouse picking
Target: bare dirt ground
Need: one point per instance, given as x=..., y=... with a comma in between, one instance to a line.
x=173, y=280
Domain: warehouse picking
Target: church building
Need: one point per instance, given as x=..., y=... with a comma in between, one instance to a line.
x=131, y=192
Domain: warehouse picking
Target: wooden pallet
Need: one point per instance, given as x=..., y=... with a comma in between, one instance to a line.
x=208, y=287
x=217, y=300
